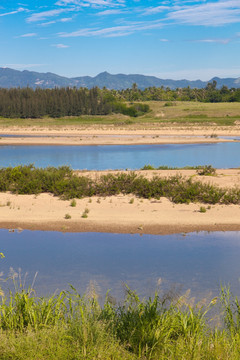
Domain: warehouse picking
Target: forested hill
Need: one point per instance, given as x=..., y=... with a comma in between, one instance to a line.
x=10, y=78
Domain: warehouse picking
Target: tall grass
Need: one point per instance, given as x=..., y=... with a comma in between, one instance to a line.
x=64, y=183
x=71, y=326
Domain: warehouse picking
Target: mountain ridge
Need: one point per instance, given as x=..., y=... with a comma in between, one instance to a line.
x=11, y=78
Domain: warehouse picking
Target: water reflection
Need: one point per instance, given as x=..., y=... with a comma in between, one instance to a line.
x=220, y=155
x=199, y=261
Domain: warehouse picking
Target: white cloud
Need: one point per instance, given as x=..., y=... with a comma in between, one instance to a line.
x=66, y=19
x=208, y=14
x=46, y=14
x=198, y=12
x=71, y=6
x=210, y=41
x=114, y=31
x=60, y=46
x=110, y=12
x=93, y=3
x=28, y=35
x=155, y=10
x=21, y=66
x=14, y=12
x=63, y=20
x=47, y=23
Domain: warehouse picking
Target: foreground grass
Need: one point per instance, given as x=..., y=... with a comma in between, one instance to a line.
x=64, y=183
x=69, y=326
x=182, y=113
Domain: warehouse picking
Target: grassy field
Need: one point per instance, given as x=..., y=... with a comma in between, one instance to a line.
x=68, y=326
x=175, y=113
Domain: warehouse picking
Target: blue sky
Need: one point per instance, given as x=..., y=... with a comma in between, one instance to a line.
x=169, y=39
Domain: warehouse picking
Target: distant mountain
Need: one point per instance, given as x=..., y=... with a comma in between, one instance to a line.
x=13, y=78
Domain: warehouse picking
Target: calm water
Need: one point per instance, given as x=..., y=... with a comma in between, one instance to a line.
x=220, y=155
x=199, y=261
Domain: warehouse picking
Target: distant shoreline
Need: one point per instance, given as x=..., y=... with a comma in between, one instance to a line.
x=116, y=228
x=101, y=135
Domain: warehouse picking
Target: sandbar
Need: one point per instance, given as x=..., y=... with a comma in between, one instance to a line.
x=112, y=135
x=122, y=213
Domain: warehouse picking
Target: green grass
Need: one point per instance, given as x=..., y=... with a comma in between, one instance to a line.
x=73, y=203
x=62, y=182
x=183, y=113
x=165, y=167
x=85, y=213
x=70, y=326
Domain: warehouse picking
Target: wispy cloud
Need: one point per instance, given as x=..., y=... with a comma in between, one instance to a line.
x=40, y=16
x=47, y=23
x=208, y=14
x=210, y=41
x=155, y=10
x=66, y=19
x=91, y=2
x=21, y=66
x=28, y=35
x=21, y=9
x=63, y=20
x=110, y=12
x=60, y=46
x=114, y=31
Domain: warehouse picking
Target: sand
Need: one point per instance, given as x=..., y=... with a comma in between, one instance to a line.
x=111, y=135
x=119, y=213
x=122, y=213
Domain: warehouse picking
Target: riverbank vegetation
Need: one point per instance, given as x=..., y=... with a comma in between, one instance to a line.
x=209, y=94
x=63, y=182
x=29, y=103
x=68, y=326
x=179, y=114
x=205, y=170
x=26, y=103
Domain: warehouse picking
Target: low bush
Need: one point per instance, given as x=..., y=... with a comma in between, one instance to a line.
x=64, y=183
x=73, y=203
x=206, y=170
x=165, y=167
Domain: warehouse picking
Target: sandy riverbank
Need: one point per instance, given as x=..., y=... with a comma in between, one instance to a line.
x=110, y=135
x=122, y=213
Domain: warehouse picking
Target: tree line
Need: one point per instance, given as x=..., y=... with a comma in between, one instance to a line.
x=60, y=102
x=208, y=94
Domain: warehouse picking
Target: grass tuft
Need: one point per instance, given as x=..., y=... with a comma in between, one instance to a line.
x=71, y=326
x=85, y=213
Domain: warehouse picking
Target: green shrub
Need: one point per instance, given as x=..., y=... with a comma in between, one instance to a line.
x=64, y=183
x=206, y=170
x=148, y=167
x=73, y=203
x=169, y=103
x=85, y=213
